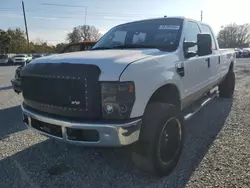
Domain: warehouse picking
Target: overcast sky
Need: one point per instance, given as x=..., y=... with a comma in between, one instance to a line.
x=52, y=23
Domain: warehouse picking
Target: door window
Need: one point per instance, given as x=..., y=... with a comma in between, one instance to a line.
x=206, y=29
x=139, y=37
x=190, y=33
x=118, y=38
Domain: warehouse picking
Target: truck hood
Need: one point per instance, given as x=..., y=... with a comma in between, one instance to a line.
x=110, y=62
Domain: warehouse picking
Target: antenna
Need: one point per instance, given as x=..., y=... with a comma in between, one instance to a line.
x=201, y=16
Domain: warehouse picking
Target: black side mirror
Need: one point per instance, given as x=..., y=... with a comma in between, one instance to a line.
x=204, y=43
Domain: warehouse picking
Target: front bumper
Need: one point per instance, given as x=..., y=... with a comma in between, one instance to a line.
x=110, y=135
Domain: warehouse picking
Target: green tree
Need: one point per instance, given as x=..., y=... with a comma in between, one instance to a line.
x=18, y=41
x=84, y=33
x=233, y=35
x=14, y=41
x=5, y=40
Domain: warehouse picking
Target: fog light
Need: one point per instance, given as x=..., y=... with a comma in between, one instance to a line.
x=109, y=109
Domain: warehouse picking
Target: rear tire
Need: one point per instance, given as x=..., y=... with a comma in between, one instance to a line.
x=226, y=88
x=161, y=139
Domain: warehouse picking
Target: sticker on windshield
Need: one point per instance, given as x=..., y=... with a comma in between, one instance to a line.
x=169, y=27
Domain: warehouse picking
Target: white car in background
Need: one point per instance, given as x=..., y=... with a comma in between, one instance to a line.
x=21, y=59
x=4, y=59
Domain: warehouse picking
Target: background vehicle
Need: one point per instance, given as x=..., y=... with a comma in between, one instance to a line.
x=34, y=56
x=4, y=59
x=133, y=86
x=238, y=52
x=245, y=52
x=79, y=46
x=21, y=59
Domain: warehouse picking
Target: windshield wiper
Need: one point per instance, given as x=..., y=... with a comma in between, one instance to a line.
x=159, y=47
x=123, y=47
x=132, y=46
x=127, y=46
x=101, y=48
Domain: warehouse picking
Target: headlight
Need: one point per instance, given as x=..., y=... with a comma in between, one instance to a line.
x=117, y=99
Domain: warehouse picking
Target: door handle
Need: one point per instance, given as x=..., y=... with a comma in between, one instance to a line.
x=208, y=62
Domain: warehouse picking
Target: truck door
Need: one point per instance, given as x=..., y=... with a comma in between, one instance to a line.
x=215, y=61
x=197, y=72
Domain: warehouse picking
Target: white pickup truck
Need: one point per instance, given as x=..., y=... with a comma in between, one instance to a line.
x=132, y=88
x=21, y=59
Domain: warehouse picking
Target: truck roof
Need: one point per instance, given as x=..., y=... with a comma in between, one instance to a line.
x=159, y=18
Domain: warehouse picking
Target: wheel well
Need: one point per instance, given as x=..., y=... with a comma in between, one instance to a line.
x=168, y=93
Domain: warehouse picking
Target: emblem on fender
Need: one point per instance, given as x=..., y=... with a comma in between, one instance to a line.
x=75, y=102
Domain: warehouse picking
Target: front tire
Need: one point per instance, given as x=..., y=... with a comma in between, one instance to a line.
x=226, y=88
x=161, y=139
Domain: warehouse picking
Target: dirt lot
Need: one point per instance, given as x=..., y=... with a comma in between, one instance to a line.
x=216, y=152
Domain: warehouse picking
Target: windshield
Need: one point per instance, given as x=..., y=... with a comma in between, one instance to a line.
x=157, y=33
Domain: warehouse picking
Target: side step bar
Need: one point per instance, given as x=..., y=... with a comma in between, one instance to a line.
x=201, y=104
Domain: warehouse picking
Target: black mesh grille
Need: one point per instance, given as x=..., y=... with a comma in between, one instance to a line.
x=62, y=89
x=55, y=91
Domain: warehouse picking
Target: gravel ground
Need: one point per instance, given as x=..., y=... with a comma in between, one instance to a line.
x=216, y=152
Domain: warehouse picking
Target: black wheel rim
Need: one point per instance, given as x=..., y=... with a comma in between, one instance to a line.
x=169, y=141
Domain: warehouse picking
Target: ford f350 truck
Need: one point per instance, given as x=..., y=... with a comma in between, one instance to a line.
x=133, y=88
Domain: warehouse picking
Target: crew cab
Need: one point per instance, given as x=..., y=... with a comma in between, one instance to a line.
x=137, y=86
